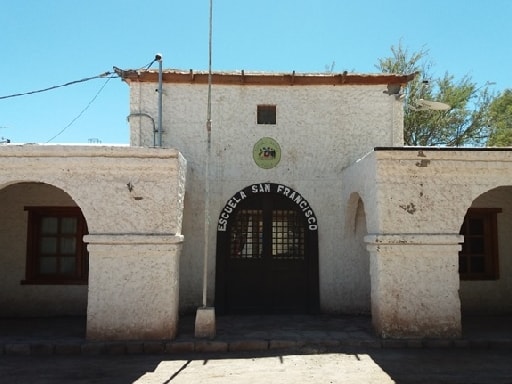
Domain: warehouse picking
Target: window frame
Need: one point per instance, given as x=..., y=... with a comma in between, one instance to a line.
x=34, y=219
x=266, y=114
x=489, y=217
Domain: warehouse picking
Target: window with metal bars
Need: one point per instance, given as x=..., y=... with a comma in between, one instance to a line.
x=247, y=235
x=287, y=235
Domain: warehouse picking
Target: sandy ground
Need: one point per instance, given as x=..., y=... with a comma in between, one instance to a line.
x=358, y=366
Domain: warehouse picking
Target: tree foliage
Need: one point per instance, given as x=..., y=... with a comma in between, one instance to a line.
x=466, y=123
x=500, y=116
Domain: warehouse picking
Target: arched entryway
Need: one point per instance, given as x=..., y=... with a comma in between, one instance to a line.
x=267, y=252
x=485, y=265
x=43, y=260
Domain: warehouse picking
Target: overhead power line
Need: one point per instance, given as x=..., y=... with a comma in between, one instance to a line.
x=83, y=110
x=103, y=75
x=106, y=75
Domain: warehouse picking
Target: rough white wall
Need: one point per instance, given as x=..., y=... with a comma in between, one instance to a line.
x=415, y=285
x=97, y=179
x=321, y=130
x=30, y=300
x=429, y=191
x=415, y=202
x=132, y=200
x=134, y=282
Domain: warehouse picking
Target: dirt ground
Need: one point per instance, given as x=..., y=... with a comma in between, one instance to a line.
x=443, y=365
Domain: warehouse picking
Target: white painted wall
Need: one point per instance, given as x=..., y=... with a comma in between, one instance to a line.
x=321, y=130
x=132, y=200
x=415, y=202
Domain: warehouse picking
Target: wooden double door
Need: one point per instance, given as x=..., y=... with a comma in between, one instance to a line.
x=267, y=259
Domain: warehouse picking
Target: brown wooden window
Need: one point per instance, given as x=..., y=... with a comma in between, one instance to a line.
x=266, y=114
x=56, y=253
x=478, y=259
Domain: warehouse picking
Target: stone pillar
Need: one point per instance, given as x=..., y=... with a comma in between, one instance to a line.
x=415, y=285
x=133, y=286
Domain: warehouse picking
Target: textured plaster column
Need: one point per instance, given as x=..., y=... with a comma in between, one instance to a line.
x=414, y=285
x=133, y=287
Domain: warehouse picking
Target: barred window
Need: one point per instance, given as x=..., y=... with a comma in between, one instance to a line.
x=247, y=241
x=287, y=235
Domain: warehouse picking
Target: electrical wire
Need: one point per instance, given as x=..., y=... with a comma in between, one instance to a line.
x=103, y=75
x=83, y=110
x=107, y=75
x=147, y=66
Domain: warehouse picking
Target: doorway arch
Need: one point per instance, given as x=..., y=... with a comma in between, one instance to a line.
x=485, y=265
x=267, y=252
x=29, y=286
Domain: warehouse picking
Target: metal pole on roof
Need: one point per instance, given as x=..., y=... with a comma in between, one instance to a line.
x=158, y=58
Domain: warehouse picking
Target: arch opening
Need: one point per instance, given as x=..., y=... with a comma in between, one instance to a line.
x=485, y=265
x=267, y=252
x=41, y=229
x=356, y=258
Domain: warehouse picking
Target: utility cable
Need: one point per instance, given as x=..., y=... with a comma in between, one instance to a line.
x=107, y=75
x=83, y=110
x=103, y=75
x=147, y=66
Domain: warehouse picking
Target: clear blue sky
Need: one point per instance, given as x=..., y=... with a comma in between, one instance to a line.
x=52, y=42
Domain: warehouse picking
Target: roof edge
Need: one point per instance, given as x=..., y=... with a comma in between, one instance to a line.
x=263, y=78
x=444, y=149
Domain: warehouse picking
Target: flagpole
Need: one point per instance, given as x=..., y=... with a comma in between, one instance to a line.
x=207, y=166
x=205, y=316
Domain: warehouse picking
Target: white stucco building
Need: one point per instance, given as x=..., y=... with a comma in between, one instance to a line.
x=126, y=281
x=314, y=205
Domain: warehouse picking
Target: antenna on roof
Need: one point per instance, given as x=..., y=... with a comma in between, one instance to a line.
x=428, y=105
x=4, y=140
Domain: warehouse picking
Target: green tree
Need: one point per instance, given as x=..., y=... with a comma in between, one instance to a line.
x=465, y=123
x=500, y=116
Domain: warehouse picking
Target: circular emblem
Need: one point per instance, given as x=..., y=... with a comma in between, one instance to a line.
x=266, y=153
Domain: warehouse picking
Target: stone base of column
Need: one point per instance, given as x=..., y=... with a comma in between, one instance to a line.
x=414, y=285
x=133, y=287
x=205, y=323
